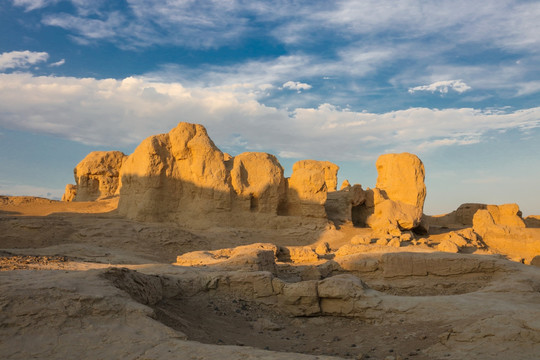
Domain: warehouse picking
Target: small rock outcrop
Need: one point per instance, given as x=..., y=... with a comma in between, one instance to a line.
x=397, y=201
x=257, y=179
x=503, y=230
x=97, y=177
x=308, y=186
x=69, y=193
x=339, y=204
x=463, y=215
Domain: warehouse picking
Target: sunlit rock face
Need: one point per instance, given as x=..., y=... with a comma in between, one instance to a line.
x=503, y=230
x=397, y=201
x=96, y=176
x=181, y=172
x=182, y=176
x=258, y=182
x=308, y=187
x=401, y=178
x=69, y=193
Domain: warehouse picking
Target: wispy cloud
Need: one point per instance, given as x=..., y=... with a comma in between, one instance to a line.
x=442, y=86
x=296, y=22
x=58, y=63
x=21, y=59
x=30, y=5
x=375, y=36
x=123, y=112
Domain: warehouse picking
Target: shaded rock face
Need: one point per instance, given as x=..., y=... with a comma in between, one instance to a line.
x=174, y=174
x=397, y=201
x=97, y=176
x=532, y=221
x=183, y=176
x=339, y=204
x=465, y=212
x=308, y=186
x=257, y=179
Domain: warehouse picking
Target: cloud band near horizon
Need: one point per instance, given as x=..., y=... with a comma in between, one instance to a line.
x=113, y=112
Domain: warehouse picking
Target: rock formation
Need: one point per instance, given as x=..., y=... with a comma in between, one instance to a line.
x=397, y=201
x=401, y=178
x=96, y=177
x=463, y=215
x=182, y=176
x=69, y=193
x=503, y=230
x=308, y=186
x=168, y=175
x=257, y=179
x=339, y=204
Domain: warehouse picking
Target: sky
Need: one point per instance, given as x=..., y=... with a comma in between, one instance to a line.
x=455, y=82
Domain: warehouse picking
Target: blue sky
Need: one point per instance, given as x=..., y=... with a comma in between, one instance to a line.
x=455, y=82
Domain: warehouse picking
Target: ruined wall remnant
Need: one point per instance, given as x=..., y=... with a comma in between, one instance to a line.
x=182, y=176
x=397, y=201
x=96, y=177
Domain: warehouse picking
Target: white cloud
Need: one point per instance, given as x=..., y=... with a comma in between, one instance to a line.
x=295, y=85
x=58, y=63
x=21, y=59
x=276, y=72
x=443, y=86
x=123, y=112
x=384, y=31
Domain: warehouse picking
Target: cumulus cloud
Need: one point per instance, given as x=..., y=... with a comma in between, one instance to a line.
x=21, y=59
x=443, y=86
x=295, y=85
x=123, y=112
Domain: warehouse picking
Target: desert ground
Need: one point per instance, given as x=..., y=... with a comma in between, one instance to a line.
x=277, y=274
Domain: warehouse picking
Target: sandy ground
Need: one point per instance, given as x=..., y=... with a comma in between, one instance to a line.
x=58, y=298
